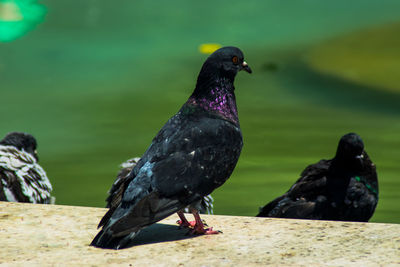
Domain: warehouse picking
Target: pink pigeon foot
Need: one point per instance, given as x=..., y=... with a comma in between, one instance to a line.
x=199, y=228
x=183, y=222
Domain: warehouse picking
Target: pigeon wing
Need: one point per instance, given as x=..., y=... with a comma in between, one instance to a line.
x=304, y=197
x=22, y=178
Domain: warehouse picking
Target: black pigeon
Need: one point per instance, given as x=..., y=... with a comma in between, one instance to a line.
x=204, y=206
x=194, y=153
x=344, y=188
x=22, y=179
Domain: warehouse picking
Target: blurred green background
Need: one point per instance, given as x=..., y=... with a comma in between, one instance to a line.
x=96, y=80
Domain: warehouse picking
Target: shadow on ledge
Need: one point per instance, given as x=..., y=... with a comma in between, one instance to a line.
x=158, y=233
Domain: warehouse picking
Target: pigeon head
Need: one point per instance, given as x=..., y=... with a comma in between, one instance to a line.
x=223, y=64
x=22, y=141
x=227, y=61
x=350, y=150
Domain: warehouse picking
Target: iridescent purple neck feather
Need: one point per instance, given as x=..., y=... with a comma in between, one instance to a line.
x=219, y=100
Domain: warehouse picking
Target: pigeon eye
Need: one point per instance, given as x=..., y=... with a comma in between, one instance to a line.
x=235, y=60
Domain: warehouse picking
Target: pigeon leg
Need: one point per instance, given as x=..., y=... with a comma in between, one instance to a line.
x=183, y=222
x=199, y=226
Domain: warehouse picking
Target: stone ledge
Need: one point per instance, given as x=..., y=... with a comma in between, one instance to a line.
x=33, y=234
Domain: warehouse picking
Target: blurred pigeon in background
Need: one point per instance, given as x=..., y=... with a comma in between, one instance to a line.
x=22, y=179
x=194, y=153
x=344, y=188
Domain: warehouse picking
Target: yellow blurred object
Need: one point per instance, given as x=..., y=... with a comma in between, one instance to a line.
x=208, y=48
x=10, y=11
x=18, y=17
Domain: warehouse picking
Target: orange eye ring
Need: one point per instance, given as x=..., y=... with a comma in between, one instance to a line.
x=235, y=60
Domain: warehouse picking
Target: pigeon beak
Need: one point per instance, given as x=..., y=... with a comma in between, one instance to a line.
x=359, y=159
x=246, y=67
x=360, y=156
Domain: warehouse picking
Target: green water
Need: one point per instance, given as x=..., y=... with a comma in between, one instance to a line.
x=97, y=79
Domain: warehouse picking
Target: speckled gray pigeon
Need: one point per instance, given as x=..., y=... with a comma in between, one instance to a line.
x=22, y=179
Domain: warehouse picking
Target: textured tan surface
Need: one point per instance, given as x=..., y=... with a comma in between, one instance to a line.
x=59, y=235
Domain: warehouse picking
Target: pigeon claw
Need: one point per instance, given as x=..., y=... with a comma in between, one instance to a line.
x=204, y=231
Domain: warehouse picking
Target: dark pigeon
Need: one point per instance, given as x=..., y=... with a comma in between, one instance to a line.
x=204, y=206
x=22, y=179
x=344, y=188
x=194, y=153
